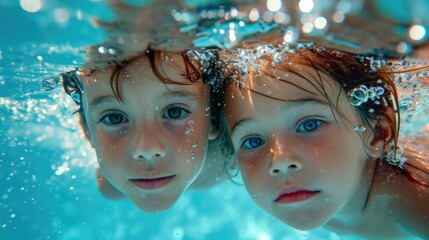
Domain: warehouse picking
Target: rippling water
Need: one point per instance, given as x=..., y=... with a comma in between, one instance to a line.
x=47, y=169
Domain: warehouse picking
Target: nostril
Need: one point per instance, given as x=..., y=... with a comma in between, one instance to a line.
x=275, y=171
x=293, y=166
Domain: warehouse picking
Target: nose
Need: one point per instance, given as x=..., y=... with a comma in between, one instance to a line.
x=148, y=144
x=284, y=160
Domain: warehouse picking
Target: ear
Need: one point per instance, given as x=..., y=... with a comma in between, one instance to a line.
x=383, y=134
x=85, y=130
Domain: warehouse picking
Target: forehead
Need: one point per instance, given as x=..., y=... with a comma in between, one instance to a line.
x=273, y=91
x=171, y=66
x=298, y=82
x=139, y=77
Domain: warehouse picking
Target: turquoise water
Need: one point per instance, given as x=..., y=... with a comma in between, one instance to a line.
x=47, y=169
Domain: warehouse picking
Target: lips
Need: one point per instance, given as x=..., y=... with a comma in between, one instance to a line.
x=295, y=196
x=152, y=183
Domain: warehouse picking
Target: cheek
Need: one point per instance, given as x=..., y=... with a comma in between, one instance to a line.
x=109, y=141
x=254, y=174
x=253, y=162
x=191, y=128
x=344, y=160
x=180, y=136
x=190, y=140
x=341, y=147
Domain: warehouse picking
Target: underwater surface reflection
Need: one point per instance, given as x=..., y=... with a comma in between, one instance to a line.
x=47, y=170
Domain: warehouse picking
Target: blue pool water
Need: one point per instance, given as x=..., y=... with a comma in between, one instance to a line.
x=47, y=169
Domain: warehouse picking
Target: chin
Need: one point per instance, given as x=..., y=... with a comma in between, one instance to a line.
x=154, y=205
x=156, y=208
x=306, y=223
x=308, y=226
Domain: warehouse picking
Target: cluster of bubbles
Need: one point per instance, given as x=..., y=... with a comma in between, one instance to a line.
x=241, y=61
x=362, y=94
x=189, y=127
x=46, y=122
x=413, y=101
x=410, y=83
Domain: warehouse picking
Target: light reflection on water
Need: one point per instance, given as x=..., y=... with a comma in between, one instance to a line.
x=47, y=169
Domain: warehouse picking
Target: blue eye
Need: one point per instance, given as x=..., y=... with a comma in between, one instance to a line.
x=309, y=125
x=114, y=119
x=252, y=142
x=175, y=113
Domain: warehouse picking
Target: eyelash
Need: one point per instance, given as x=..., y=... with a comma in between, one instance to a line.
x=106, y=119
x=303, y=129
x=183, y=113
x=108, y=122
x=248, y=142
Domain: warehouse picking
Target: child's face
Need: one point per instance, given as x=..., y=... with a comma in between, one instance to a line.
x=300, y=161
x=152, y=145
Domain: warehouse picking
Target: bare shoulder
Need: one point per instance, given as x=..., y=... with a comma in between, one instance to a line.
x=408, y=192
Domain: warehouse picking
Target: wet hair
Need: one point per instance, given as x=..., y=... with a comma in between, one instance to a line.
x=194, y=71
x=348, y=71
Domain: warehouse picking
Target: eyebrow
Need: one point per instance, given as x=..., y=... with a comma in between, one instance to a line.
x=101, y=100
x=290, y=104
x=179, y=94
x=169, y=96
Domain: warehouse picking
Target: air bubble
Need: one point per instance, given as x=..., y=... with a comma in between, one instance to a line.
x=102, y=49
x=112, y=51
x=189, y=127
x=50, y=83
x=306, y=6
x=417, y=32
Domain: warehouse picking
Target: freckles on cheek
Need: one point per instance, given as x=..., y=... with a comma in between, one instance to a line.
x=107, y=143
